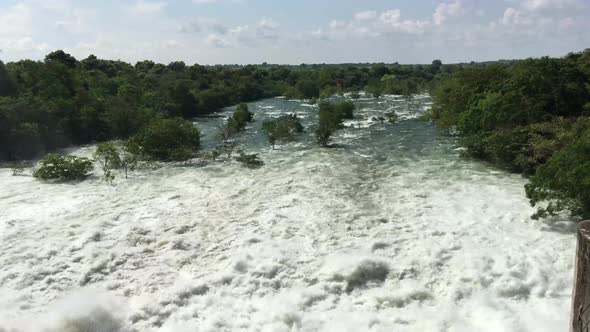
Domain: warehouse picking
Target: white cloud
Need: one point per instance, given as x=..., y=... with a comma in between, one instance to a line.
x=537, y=5
x=371, y=24
x=204, y=1
x=365, y=16
x=142, y=7
x=17, y=20
x=446, y=10
x=233, y=37
x=392, y=22
x=16, y=30
x=337, y=24
x=267, y=28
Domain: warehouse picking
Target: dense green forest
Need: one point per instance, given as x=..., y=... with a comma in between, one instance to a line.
x=61, y=101
x=531, y=117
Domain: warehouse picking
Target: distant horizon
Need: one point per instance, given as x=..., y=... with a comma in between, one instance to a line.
x=217, y=32
x=300, y=64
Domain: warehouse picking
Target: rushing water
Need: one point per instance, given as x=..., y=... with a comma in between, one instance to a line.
x=389, y=230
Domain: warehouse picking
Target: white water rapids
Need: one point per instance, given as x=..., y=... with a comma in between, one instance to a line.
x=389, y=230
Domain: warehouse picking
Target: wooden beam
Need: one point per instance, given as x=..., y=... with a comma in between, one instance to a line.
x=580, y=318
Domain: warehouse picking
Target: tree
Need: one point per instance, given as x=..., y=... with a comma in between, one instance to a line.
x=185, y=104
x=308, y=89
x=54, y=166
x=62, y=57
x=330, y=119
x=240, y=117
x=167, y=140
x=563, y=182
x=249, y=160
x=7, y=86
x=108, y=157
x=435, y=67
x=282, y=129
x=129, y=155
x=392, y=117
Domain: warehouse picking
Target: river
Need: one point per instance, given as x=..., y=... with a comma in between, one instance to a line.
x=388, y=230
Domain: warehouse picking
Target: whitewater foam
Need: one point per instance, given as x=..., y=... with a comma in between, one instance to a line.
x=387, y=230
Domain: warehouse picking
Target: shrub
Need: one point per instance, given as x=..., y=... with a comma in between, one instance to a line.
x=224, y=132
x=330, y=120
x=107, y=156
x=128, y=155
x=525, y=148
x=167, y=140
x=240, y=117
x=282, y=129
x=392, y=117
x=563, y=183
x=345, y=109
x=63, y=167
x=249, y=160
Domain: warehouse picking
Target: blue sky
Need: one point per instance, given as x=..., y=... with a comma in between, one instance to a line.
x=288, y=31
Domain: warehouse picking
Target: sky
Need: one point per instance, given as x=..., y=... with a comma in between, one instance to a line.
x=294, y=32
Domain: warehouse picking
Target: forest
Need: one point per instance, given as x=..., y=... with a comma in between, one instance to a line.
x=528, y=116
x=58, y=102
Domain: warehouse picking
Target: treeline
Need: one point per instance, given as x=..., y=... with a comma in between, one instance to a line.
x=531, y=117
x=61, y=101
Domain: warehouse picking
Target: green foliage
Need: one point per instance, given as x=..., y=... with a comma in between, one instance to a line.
x=331, y=119
x=530, y=117
x=222, y=152
x=563, y=183
x=523, y=149
x=282, y=129
x=167, y=140
x=240, y=117
x=54, y=166
x=345, y=109
x=7, y=86
x=109, y=159
x=392, y=117
x=50, y=104
x=128, y=155
x=308, y=89
x=249, y=160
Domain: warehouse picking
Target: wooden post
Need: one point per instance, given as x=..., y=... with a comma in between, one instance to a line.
x=580, y=319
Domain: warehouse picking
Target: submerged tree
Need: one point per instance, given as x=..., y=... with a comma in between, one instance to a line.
x=392, y=117
x=249, y=160
x=54, y=166
x=331, y=118
x=109, y=159
x=240, y=117
x=167, y=140
x=282, y=129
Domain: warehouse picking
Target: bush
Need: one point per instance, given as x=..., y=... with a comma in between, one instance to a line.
x=282, y=129
x=63, y=167
x=239, y=119
x=107, y=156
x=345, y=109
x=563, y=183
x=330, y=120
x=249, y=160
x=523, y=149
x=167, y=140
x=392, y=117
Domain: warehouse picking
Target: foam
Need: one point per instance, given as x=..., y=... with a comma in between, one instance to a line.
x=388, y=230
